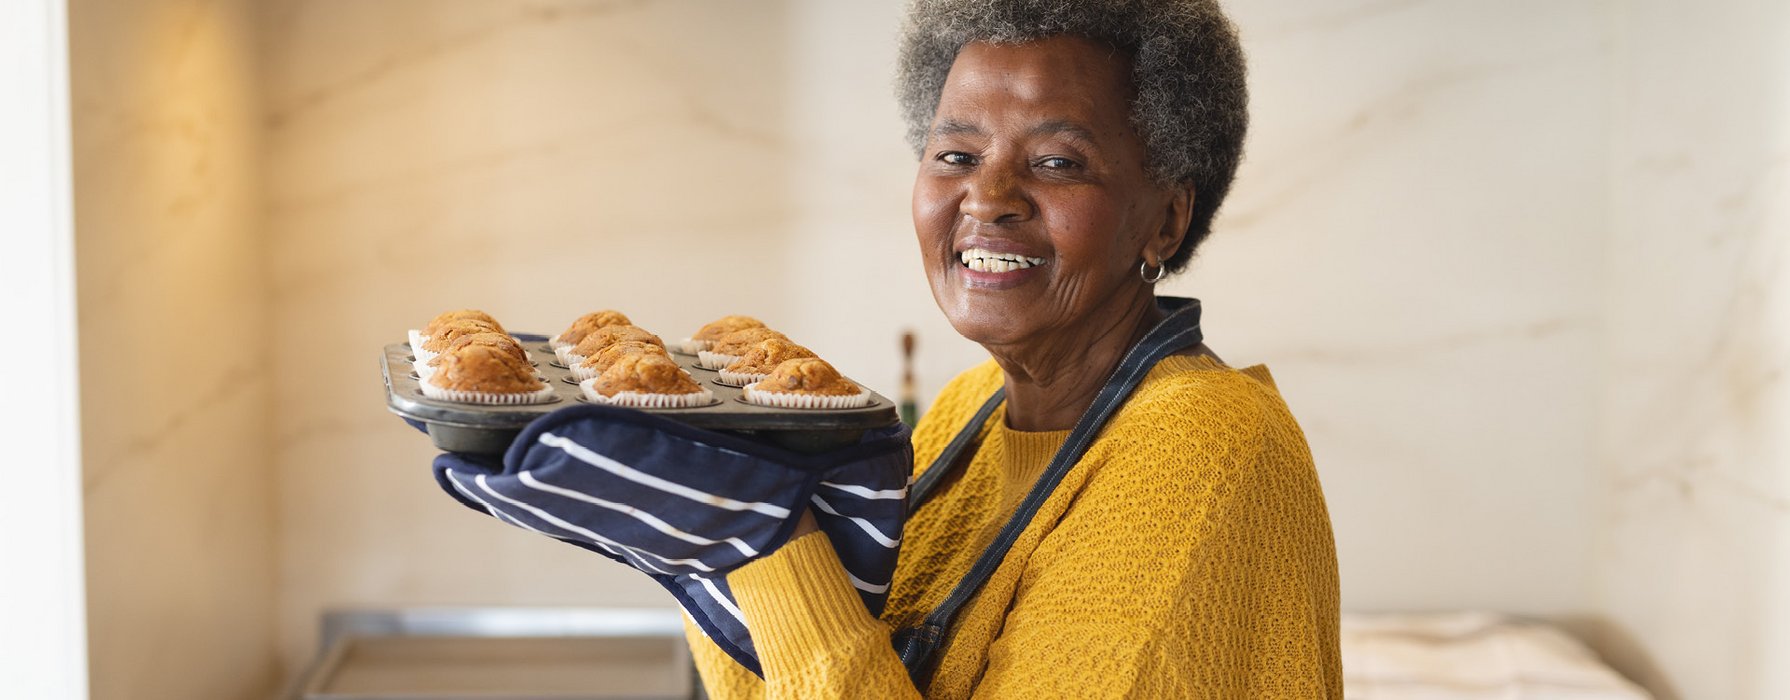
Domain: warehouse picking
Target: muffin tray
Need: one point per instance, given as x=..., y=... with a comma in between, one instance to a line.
x=479, y=429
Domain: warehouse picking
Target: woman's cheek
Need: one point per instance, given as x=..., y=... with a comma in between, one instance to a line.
x=933, y=215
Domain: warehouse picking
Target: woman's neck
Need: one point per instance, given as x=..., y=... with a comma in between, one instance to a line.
x=1052, y=380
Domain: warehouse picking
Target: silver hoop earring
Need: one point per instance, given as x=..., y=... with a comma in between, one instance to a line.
x=1143, y=270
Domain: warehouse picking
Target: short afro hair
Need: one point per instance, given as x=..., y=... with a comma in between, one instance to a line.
x=1192, y=104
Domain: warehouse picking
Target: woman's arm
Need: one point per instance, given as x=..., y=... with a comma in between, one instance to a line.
x=1178, y=572
x=814, y=637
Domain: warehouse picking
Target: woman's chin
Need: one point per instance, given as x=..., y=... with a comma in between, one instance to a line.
x=989, y=316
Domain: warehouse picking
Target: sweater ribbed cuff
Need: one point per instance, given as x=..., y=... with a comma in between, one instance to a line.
x=799, y=603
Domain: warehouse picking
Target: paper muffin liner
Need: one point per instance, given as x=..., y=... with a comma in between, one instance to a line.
x=732, y=378
x=714, y=360
x=582, y=372
x=416, y=339
x=691, y=346
x=543, y=395
x=566, y=356
x=634, y=399
x=782, y=400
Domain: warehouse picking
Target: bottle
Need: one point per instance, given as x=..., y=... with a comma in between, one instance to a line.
x=909, y=404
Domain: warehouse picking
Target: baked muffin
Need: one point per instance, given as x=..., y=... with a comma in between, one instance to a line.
x=478, y=373
x=447, y=317
x=590, y=322
x=443, y=336
x=758, y=362
x=807, y=382
x=706, y=336
x=595, y=364
x=646, y=380
x=731, y=346
x=605, y=337
x=508, y=344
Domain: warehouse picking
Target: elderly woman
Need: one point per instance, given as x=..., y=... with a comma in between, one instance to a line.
x=1072, y=154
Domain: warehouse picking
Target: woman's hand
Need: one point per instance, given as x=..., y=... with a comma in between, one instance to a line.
x=805, y=525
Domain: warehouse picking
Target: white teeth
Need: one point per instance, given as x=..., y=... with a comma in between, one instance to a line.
x=982, y=260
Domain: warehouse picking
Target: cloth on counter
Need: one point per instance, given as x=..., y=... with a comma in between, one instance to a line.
x=1471, y=656
x=686, y=506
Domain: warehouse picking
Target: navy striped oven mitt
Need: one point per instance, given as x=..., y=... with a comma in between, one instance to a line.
x=686, y=506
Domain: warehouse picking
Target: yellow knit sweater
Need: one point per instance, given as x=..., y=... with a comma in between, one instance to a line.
x=1188, y=554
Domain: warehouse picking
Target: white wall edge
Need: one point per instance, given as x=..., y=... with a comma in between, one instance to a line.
x=43, y=629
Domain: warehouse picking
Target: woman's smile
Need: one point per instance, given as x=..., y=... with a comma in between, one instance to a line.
x=996, y=263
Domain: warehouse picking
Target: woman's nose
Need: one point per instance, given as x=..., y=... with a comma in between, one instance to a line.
x=996, y=196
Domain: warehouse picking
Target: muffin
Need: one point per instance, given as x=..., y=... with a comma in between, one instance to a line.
x=417, y=337
x=807, y=382
x=477, y=373
x=758, y=362
x=706, y=336
x=731, y=346
x=604, y=337
x=646, y=380
x=587, y=323
x=437, y=341
x=508, y=344
x=595, y=364
x=447, y=317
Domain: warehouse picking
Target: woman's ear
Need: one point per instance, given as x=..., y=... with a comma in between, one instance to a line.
x=1177, y=214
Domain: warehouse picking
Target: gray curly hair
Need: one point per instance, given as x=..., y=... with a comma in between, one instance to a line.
x=1192, y=106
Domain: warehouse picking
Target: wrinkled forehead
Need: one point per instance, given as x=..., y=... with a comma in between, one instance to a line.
x=1061, y=79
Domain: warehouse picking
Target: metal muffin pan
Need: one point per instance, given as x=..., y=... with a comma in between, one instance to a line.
x=479, y=429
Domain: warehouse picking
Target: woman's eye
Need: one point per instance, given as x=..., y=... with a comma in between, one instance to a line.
x=956, y=158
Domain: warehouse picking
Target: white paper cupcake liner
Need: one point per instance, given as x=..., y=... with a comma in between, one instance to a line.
x=582, y=372
x=714, y=360
x=732, y=378
x=416, y=339
x=690, y=346
x=543, y=395
x=780, y=400
x=566, y=356
x=634, y=399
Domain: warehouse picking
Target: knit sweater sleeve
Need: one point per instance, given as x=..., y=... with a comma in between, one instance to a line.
x=1196, y=562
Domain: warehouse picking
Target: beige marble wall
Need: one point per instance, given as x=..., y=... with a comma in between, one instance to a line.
x=173, y=323
x=535, y=159
x=1694, y=565
x=1414, y=246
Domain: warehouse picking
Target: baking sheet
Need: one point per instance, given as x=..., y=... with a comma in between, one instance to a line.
x=458, y=427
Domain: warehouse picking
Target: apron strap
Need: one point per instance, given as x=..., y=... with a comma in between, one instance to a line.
x=943, y=465
x=1180, y=329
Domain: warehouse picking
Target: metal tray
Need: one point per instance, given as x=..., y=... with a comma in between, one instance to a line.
x=458, y=427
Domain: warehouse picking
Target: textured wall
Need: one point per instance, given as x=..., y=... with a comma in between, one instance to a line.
x=1413, y=248
x=538, y=160
x=1413, y=245
x=1694, y=568
x=174, y=371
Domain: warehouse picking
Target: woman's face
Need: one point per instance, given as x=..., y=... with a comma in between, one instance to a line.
x=1032, y=203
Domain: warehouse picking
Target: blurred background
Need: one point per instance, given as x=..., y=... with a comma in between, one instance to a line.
x=1520, y=269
